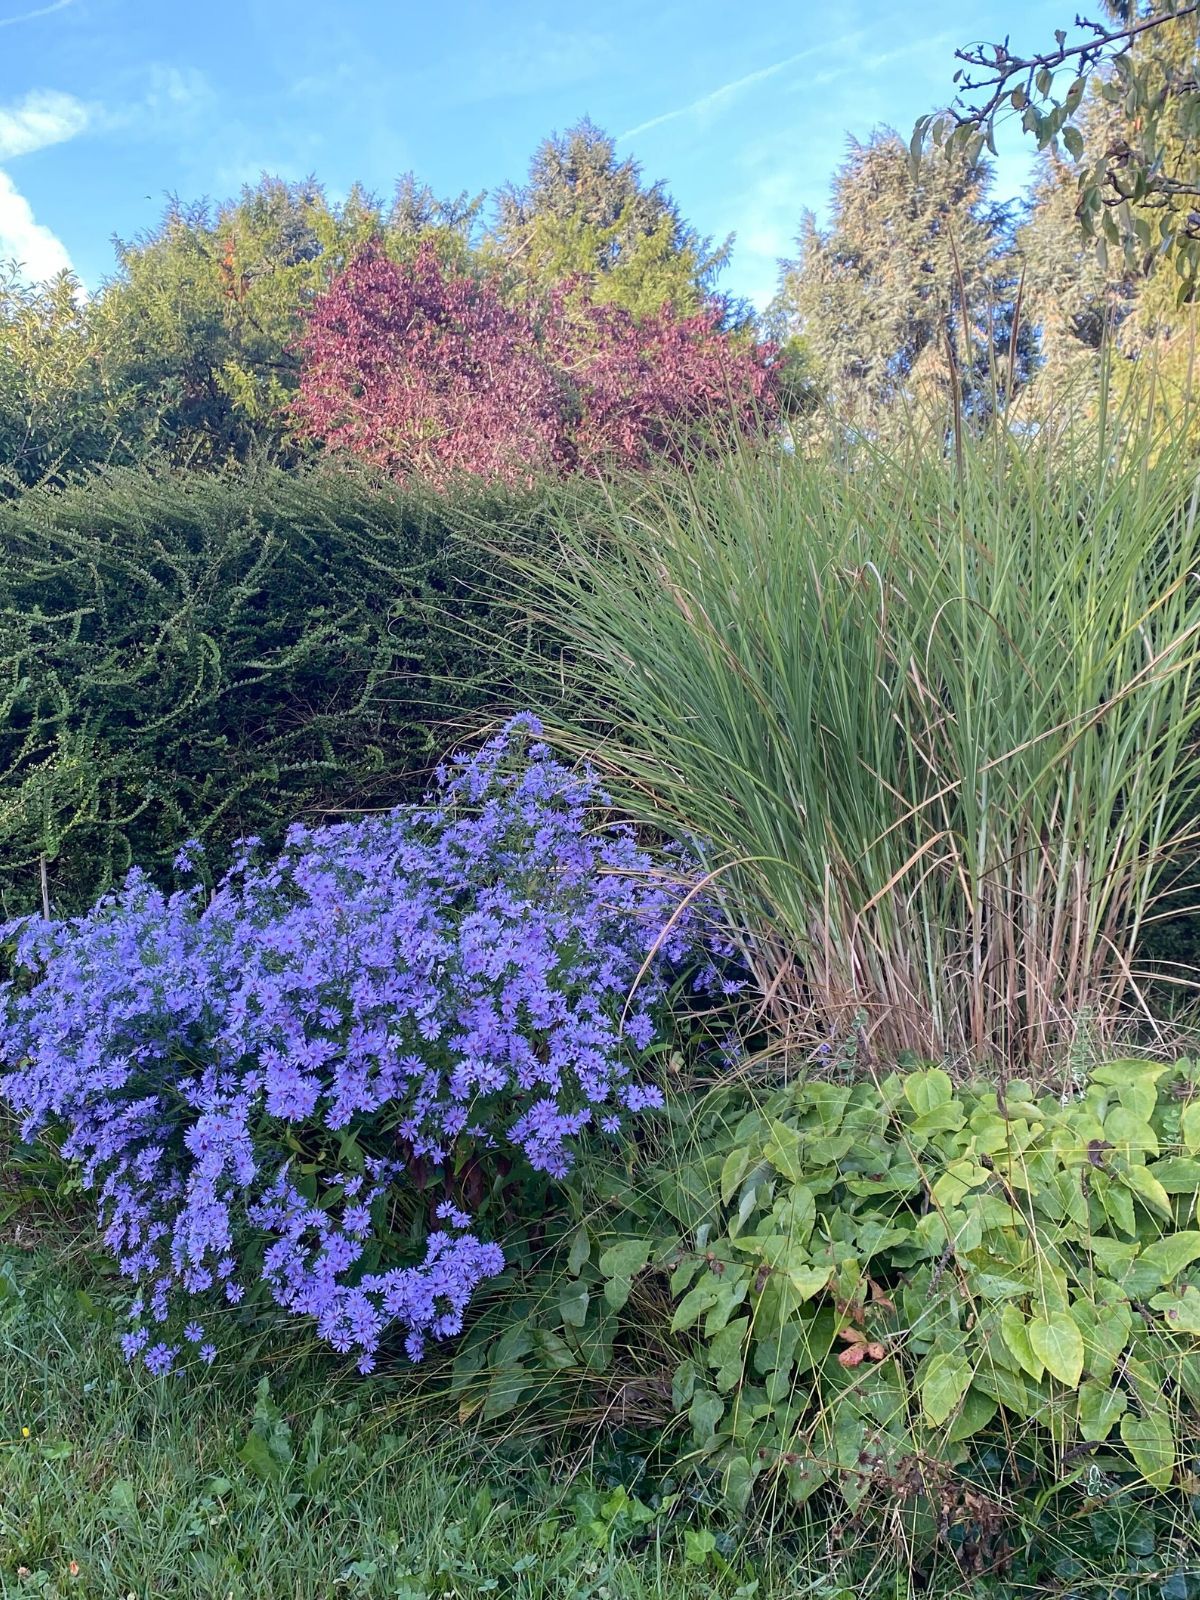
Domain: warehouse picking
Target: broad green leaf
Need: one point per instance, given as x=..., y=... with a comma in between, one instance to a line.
x=1177, y=1174
x=1105, y=1328
x=1151, y=1442
x=1189, y=1127
x=573, y=1304
x=1056, y=1340
x=1129, y=1133
x=704, y=1413
x=1148, y=1190
x=805, y=1477
x=727, y=1355
x=625, y=1259
x=808, y=1281
x=796, y=1213
x=737, y=1482
x=581, y=1248
x=1180, y=1312
x=1116, y=1073
x=733, y=1170
x=1099, y=1410
x=976, y=1412
x=942, y=1380
x=1015, y=1332
x=784, y=1151
x=731, y=1293
x=926, y=1091
x=1167, y=1257
x=504, y=1391
x=696, y=1302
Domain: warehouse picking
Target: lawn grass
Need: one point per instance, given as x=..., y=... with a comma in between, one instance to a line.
x=311, y=1484
x=281, y=1475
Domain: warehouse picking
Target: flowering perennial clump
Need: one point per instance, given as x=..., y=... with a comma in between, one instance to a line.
x=390, y=1017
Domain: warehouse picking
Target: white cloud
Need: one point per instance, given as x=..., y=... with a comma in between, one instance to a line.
x=40, y=11
x=38, y=252
x=42, y=118
x=717, y=99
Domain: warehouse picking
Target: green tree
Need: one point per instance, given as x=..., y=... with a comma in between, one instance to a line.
x=1138, y=190
x=908, y=291
x=53, y=406
x=585, y=212
x=204, y=311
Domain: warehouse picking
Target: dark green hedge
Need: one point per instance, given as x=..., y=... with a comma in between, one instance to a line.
x=196, y=655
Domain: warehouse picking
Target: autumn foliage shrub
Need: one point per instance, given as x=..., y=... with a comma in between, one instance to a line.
x=431, y=372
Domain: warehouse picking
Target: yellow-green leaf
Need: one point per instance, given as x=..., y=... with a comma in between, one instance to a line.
x=926, y=1091
x=1148, y=1190
x=1099, y=1410
x=1015, y=1333
x=1057, y=1341
x=942, y=1381
x=1151, y=1443
x=1180, y=1312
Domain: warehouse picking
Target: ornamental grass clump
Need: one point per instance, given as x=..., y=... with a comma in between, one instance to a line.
x=319, y=1084
x=935, y=713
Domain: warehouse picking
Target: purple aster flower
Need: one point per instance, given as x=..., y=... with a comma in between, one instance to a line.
x=451, y=973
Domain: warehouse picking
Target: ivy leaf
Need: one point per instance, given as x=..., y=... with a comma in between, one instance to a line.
x=1148, y=1190
x=733, y=1170
x=1099, y=1409
x=705, y=1411
x=1056, y=1340
x=696, y=1302
x=625, y=1259
x=1166, y=1258
x=1180, y=1312
x=1132, y=1135
x=783, y=1151
x=1015, y=1332
x=573, y=1304
x=737, y=1481
x=926, y=1091
x=942, y=1380
x=976, y=1412
x=1151, y=1443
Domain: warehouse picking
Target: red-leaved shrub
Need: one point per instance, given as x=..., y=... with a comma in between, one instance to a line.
x=426, y=371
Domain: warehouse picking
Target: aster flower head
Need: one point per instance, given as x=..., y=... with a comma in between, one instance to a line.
x=455, y=971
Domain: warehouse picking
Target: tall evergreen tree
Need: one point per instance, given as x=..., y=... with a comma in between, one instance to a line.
x=585, y=212
x=909, y=290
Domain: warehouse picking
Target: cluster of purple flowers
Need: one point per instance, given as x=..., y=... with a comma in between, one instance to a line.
x=444, y=980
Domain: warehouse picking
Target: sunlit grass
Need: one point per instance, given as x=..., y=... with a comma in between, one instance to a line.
x=933, y=712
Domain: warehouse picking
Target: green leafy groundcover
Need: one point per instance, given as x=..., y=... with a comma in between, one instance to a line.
x=882, y=1291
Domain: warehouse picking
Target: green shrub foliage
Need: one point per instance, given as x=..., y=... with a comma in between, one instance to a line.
x=211, y=656
x=877, y=1292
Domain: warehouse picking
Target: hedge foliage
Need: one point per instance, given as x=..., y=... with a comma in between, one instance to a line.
x=886, y=1292
x=185, y=655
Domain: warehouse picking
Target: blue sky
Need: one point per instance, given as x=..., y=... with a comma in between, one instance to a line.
x=109, y=106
